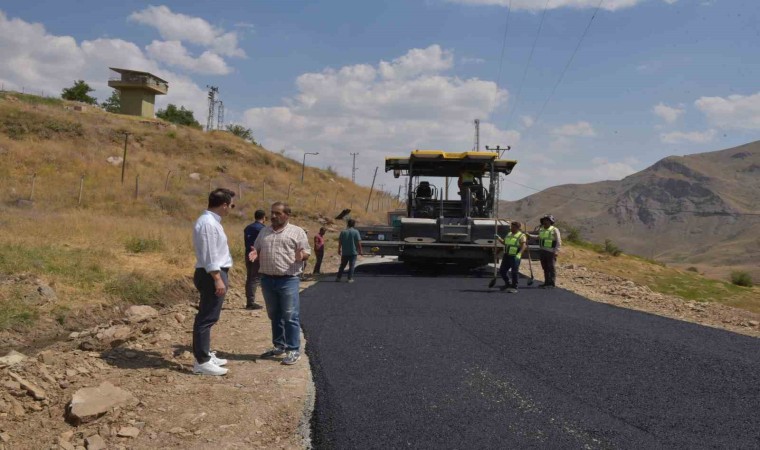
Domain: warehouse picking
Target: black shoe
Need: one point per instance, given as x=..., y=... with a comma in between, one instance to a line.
x=276, y=351
x=253, y=306
x=505, y=287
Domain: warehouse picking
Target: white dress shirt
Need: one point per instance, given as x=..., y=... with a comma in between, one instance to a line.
x=211, y=250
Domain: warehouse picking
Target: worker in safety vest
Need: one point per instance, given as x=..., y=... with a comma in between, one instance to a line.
x=550, y=242
x=465, y=183
x=515, y=243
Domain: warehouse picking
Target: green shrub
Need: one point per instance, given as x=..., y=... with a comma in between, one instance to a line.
x=144, y=245
x=15, y=312
x=740, y=278
x=135, y=288
x=692, y=269
x=611, y=248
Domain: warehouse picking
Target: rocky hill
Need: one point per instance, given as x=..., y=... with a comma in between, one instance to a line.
x=700, y=210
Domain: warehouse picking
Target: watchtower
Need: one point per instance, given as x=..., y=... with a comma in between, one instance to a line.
x=137, y=91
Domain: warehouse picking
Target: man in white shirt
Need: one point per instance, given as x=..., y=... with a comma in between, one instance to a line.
x=281, y=250
x=213, y=261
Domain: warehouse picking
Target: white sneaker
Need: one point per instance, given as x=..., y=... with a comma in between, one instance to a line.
x=208, y=368
x=218, y=361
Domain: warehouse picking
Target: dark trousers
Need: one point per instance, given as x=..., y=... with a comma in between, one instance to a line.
x=318, y=265
x=349, y=260
x=510, y=263
x=252, y=281
x=548, y=262
x=209, y=310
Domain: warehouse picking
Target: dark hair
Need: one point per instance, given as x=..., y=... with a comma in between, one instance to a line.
x=351, y=223
x=519, y=225
x=219, y=197
x=285, y=207
x=322, y=229
x=259, y=214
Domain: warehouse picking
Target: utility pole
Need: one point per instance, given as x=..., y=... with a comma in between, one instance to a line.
x=366, y=209
x=212, y=91
x=124, y=159
x=353, y=168
x=303, y=166
x=477, y=135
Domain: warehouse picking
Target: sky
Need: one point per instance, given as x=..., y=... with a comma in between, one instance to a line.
x=581, y=90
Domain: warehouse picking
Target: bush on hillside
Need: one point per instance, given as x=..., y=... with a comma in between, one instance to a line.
x=180, y=116
x=740, y=278
x=78, y=93
x=135, y=288
x=113, y=103
x=611, y=248
x=241, y=132
x=143, y=245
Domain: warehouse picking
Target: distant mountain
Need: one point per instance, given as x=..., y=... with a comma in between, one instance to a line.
x=683, y=209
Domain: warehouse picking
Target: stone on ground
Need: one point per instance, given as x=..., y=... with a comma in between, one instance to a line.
x=90, y=403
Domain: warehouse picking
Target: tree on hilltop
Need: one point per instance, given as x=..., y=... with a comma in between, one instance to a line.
x=180, y=116
x=78, y=93
x=113, y=103
x=241, y=132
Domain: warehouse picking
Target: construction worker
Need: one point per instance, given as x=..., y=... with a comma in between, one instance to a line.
x=465, y=183
x=515, y=243
x=550, y=242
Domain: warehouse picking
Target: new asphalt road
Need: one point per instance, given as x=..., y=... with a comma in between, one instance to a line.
x=444, y=362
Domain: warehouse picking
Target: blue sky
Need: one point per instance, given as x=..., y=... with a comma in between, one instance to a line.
x=651, y=78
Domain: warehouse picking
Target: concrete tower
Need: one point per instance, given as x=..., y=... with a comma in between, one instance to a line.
x=137, y=91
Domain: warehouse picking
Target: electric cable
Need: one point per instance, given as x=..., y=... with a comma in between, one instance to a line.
x=527, y=66
x=567, y=66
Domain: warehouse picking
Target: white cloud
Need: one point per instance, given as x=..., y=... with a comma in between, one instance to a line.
x=527, y=121
x=535, y=5
x=694, y=137
x=467, y=60
x=40, y=61
x=577, y=129
x=738, y=112
x=667, y=113
x=174, y=53
x=387, y=108
x=180, y=27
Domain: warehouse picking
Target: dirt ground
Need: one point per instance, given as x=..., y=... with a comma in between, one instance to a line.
x=259, y=404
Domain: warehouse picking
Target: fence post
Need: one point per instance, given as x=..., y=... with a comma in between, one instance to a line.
x=137, y=185
x=81, y=188
x=166, y=184
x=335, y=201
x=31, y=194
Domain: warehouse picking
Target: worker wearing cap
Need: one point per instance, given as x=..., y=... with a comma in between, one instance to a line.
x=550, y=242
x=515, y=243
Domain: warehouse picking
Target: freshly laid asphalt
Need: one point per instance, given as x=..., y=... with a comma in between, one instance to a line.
x=444, y=362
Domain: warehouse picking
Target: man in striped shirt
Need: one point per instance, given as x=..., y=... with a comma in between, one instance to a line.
x=281, y=249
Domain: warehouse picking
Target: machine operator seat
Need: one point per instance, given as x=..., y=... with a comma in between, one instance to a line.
x=424, y=190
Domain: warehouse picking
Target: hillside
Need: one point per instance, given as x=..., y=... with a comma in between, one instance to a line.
x=66, y=262
x=683, y=210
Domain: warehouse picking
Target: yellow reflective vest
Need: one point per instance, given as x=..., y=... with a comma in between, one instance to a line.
x=546, y=238
x=512, y=244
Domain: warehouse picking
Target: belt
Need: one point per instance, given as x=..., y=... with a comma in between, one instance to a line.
x=277, y=276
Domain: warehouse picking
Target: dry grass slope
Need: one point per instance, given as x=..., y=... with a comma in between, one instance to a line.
x=115, y=246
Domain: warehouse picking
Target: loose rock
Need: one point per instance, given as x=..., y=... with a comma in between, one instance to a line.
x=140, y=313
x=130, y=432
x=90, y=403
x=95, y=442
x=32, y=389
x=13, y=357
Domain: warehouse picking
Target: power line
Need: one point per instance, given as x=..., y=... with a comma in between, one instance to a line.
x=564, y=70
x=570, y=197
x=503, y=45
x=527, y=66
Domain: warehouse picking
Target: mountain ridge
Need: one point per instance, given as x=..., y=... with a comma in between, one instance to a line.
x=696, y=210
